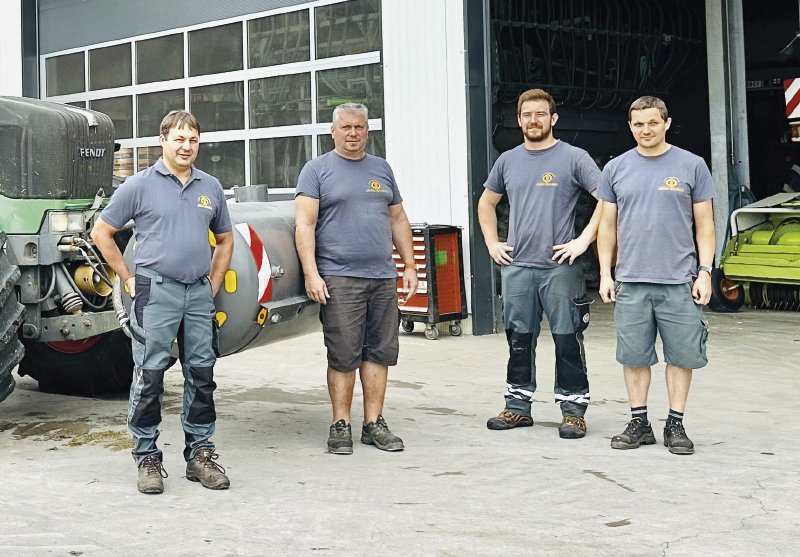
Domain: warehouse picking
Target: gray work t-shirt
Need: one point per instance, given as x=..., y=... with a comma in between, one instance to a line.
x=655, y=198
x=353, y=235
x=172, y=220
x=543, y=188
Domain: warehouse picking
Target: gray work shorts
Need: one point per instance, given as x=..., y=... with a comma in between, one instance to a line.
x=643, y=308
x=360, y=322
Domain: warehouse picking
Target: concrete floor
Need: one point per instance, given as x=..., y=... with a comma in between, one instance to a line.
x=458, y=489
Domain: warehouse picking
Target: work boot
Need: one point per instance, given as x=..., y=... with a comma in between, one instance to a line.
x=635, y=435
x=151, y=475
x=203, y=469
x=572, y=427
x=676, y=440
x=509, y=420
x=340, y=440
x=377, y=433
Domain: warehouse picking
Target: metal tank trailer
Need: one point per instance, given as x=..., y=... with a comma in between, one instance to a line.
x=262, y=298
x=58, y=320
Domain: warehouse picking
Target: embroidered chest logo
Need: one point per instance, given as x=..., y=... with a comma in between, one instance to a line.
x=376, y=187
x=548, y=179
x=204, y=202
x=671, y=184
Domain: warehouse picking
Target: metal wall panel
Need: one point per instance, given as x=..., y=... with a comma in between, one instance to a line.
x=11, y=49
x=425, y=108
x=65, y=24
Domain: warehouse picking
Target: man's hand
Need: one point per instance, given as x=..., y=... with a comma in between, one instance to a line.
x=130, y=286
x=410, y=283
x=701, y=290
x=499, y=252
x=216, y=284
x=607, y=291
x=571, y=250
x=316, y=289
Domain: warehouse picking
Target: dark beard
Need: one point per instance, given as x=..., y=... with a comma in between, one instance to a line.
x=542, y=136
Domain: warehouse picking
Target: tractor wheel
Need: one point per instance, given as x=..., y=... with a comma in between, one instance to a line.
x=11, y=311
x=91, y=367
x=727, y=296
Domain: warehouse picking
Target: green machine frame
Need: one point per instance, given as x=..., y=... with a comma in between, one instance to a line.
x=760, y=265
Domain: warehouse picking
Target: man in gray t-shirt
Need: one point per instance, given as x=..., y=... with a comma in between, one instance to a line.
x=658, y=212
x=355, y=198
x=174, y=206
x=543, y=178
x=349, y=212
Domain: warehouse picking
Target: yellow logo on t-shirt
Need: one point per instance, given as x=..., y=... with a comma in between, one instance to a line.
x=671, y=184
x=547, y=179
x=204, y=202
x=375, y=186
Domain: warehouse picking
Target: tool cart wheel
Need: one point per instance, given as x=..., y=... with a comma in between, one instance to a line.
x=408, y=326
x=455, y=328
x=431, y=332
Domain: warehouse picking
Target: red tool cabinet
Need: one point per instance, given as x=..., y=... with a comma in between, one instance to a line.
x=440, y=295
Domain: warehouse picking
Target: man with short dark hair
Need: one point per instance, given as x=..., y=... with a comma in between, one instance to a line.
x=349, y=212
x=173, y=205
x=543, y=178
x=655, y=195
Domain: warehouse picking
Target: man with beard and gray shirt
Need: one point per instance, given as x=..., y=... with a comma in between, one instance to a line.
x=543, y=178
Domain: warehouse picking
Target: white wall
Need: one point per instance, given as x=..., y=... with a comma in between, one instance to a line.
x=425, y=116
x=11, y=49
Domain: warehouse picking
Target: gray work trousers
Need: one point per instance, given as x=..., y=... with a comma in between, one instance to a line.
x=165, y=310
x=560, y=294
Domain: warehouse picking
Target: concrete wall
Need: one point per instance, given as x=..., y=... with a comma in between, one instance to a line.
x=11, y=49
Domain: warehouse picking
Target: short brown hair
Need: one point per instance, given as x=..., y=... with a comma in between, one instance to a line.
x=536, y=95
x=179, y=119
x=643, y=103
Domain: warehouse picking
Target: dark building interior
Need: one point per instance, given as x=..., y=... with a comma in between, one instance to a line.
x=772, y=54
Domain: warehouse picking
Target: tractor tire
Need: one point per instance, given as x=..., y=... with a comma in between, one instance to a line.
x=106, y=366
x=11, y=312
x=726, y=295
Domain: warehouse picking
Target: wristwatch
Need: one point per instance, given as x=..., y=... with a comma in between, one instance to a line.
x=703, y=268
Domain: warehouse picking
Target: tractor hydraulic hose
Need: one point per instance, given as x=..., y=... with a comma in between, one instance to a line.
x=121, y=313
x=73, y=244
x=95, y=267
x=50, y=288
x=99, y=269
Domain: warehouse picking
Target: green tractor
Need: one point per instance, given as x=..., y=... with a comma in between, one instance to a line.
x=760, y=266
x=56, y=165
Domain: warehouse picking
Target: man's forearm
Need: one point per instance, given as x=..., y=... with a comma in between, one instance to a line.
x=606, y=242
x=402, y=237
x=108, y=248
x=704, y=233
x=487, y=217
x=220, y=263
x=589, y=233
x=404, y=242
x=706, y=245
x=305, y=240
